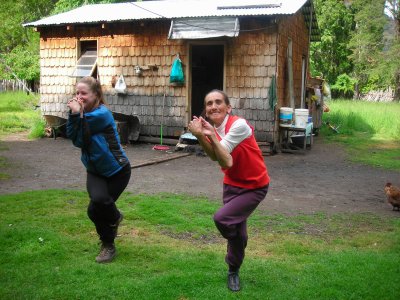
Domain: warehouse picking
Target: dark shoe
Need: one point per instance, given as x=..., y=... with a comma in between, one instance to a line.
x=114, y=227
x=107, y=253
x=233, y=281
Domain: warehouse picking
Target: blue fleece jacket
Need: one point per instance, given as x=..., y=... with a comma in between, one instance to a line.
x=97, y=136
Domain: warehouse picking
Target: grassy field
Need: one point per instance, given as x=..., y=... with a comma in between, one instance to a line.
x=170, y=249
x=18, y=112
x=370, y=131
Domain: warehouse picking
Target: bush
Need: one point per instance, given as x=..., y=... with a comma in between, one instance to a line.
x=343, y=87
x=37, y=129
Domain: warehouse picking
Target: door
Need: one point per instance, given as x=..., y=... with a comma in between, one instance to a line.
x=207, y=73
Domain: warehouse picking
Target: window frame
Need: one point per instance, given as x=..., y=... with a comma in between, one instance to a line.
x=85, y=49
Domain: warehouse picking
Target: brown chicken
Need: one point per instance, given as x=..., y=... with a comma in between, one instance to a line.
x=393, y=195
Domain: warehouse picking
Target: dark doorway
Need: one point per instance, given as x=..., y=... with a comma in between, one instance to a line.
x=207, y=73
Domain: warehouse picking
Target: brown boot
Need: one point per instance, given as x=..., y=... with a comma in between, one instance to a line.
x=233, y=281
x=107, y=253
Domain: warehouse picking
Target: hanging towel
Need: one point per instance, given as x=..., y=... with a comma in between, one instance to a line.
x=272, y=93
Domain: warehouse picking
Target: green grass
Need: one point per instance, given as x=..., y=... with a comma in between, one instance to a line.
x=17, y=114
x=370, y=131
x=169, y=249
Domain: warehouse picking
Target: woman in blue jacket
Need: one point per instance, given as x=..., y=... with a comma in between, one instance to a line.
x=91, y=127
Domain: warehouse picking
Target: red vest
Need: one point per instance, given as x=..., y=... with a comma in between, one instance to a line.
x=248, y=170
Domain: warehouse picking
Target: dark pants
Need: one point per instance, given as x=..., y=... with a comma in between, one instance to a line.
x=103, y=193
x=231, y=220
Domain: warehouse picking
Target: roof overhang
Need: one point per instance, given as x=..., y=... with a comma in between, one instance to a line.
x=181, y=9
x=201, y=28
x=171, y=9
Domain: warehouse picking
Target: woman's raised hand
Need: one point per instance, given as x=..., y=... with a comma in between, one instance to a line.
x=207, y=128
x=195, y=126
x=199, y=126
x=75, y=105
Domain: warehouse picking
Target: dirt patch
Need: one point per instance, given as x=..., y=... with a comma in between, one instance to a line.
x=322, y=180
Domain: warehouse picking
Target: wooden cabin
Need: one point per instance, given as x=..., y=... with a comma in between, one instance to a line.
x=240, y=47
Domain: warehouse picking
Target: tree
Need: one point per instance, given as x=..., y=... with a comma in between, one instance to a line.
x=375, y=44
x=19, y=46
x=367, y=42
x=66, y=5
x=393, y=9
x=360, y=40
x=392, y=58
x=330, y=56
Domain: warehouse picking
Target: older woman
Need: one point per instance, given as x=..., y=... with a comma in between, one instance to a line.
x=230, y=141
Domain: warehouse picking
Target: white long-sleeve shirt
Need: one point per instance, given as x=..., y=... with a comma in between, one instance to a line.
x=239, y=131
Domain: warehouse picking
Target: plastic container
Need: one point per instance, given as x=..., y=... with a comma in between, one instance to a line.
x=298, y=140
x=286, y=115
x=301, y=117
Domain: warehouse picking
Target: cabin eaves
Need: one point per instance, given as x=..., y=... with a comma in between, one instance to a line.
x=177, y=9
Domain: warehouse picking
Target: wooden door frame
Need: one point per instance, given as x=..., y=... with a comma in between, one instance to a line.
x=189, y=68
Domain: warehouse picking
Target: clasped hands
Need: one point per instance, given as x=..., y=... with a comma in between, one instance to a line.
x=75, y=105
x=199, y=126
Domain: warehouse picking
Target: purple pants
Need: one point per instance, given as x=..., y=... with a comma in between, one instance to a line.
x=231, y=219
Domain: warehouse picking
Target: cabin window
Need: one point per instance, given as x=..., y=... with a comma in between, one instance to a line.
x=87, y=62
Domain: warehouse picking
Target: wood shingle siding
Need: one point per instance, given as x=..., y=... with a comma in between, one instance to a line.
x=250, y=62
x=250, y=65
x=118, y=53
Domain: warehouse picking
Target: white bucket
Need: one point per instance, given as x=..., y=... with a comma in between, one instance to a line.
x=301, y=117
x=286, y=115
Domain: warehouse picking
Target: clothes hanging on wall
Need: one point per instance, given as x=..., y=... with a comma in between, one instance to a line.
x=272, y=93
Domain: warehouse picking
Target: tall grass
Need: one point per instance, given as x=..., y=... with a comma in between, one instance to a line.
x=381, y=119
x=370, y=130
x=169, y=248
x=18, y=112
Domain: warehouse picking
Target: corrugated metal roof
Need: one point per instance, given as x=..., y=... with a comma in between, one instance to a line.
x=176, y=9
x=170, y=9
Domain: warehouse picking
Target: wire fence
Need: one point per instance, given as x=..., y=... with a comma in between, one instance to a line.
x=8, y=85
